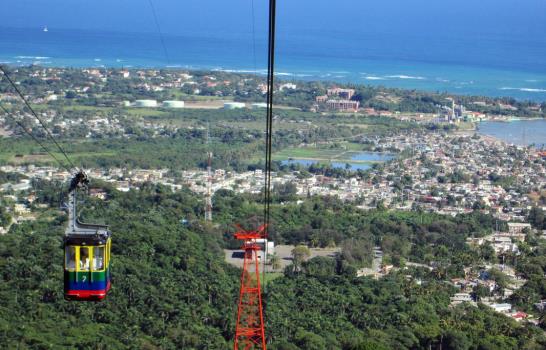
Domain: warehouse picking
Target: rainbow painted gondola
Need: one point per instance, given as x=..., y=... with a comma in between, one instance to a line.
x=87, y=267
x=87, y=253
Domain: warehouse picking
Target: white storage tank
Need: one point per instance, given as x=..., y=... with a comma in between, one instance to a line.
x=145, y=103
x=259, y=105
x=173, y=104
x=234, y=105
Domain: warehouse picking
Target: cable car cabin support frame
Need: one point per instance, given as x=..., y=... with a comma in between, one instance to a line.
x=87, y=252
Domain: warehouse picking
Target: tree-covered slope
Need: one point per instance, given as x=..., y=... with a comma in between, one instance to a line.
x=171, y=288
x=315, y=309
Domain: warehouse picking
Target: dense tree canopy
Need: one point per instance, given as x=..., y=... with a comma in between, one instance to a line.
x=173, y=290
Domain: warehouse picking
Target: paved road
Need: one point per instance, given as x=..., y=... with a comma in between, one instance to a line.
x=235, y=257
x=376, y=264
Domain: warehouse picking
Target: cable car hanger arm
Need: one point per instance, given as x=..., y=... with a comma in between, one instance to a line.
x=75, y=226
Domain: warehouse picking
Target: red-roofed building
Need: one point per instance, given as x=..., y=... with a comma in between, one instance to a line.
x=519, y=316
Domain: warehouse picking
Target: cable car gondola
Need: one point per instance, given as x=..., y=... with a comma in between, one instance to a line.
x=87, y=253
x=87, y=246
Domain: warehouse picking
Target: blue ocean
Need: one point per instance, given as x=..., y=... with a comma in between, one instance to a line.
x=489, y=64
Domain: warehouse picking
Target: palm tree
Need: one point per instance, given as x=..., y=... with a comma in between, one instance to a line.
x=275, y=261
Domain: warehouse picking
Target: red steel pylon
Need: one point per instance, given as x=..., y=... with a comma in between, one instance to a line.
x=250, y=330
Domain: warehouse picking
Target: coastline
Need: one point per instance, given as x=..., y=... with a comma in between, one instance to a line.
x=493, y=139
x=511, y=119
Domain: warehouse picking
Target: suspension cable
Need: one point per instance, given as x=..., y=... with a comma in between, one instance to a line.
x=38, y=118
x=34, y=137
x=159, y=31
x=269, y=119
x=269, y=123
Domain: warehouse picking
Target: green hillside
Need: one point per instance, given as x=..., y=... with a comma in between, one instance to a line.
x=170, y=289
x=173, y=290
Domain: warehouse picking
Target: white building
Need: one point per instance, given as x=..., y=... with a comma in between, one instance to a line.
x=288, y=86
x=502, y=308
x=459, y=298
x=518, y=227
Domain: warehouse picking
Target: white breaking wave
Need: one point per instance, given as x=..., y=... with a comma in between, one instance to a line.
x=523, y=89
x=401, y=76
x=33, y=57
x=371, y=77
x=238, y=70
x=263, y=71
x=533, y=90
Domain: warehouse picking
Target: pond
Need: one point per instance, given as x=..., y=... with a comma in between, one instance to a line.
x=358, y=161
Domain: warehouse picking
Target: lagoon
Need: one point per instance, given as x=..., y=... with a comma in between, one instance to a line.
x=519, y=132
x=358, y=161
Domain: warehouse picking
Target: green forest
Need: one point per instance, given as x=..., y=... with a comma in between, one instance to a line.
x=173, y=290
x=235, y=141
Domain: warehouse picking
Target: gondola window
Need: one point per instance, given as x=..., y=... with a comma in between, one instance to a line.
x=98, y=258
x=70, y=258
x=84, y=259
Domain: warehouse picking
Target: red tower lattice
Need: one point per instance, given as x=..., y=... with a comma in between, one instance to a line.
x=250, y=330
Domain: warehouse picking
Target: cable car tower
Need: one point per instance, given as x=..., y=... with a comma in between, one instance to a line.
x=208, y=195
x=250, y=330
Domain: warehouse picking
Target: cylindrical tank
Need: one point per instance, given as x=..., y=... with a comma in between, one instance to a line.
x=173, y=104
x=234, y=105
x=145, y=103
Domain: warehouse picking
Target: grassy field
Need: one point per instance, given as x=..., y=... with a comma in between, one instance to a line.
x=46, y=159
x=270, y=276
x=82, y=108
x=260, y=125
x=145, y=112
x=308, y=153
x=25, y=151
x=104, y=110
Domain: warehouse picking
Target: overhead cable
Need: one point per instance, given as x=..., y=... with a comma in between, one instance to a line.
x=33, y=137
x=159, y=31
x=36, y=116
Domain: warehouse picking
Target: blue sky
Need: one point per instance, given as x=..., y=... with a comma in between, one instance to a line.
x=233, y=16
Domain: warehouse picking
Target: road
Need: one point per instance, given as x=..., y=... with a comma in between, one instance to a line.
x=376, y=264
x=235, y=257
